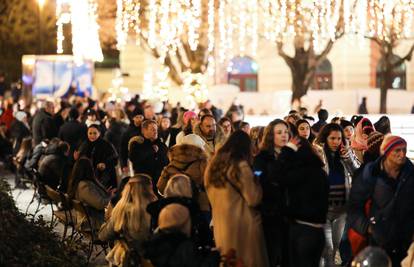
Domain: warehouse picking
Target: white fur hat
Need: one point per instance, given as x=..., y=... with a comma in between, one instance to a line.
x=193, y=139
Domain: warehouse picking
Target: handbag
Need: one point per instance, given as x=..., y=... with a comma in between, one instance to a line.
x=359, y=241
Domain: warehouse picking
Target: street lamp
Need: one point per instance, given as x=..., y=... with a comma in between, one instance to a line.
x=40, y=5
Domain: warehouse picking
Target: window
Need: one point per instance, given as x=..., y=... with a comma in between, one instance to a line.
x=242, y=72
x=323, y=76
x=399, y=75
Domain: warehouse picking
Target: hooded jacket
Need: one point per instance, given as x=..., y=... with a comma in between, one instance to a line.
x=211, y=147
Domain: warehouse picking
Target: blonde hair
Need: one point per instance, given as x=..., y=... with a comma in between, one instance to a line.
x=179, y=185
x=129, y=214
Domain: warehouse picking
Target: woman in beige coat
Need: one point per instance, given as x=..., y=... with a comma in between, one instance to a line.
x=234, y=193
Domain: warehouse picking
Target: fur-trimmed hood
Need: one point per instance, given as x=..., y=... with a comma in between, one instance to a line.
x=219, y=139
x=181, y=155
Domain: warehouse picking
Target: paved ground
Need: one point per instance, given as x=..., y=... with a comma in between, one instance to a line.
x=23, y=197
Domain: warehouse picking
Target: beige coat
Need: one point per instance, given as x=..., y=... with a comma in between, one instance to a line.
x=236, y=223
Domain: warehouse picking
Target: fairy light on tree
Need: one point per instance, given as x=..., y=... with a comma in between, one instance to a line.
x=312, y=26
x=185, y=35
x=82, y=14
x=388, y=24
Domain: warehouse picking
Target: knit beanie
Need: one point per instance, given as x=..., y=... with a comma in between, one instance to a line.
x=188, y=115
x=390, y=143
x=374, y=142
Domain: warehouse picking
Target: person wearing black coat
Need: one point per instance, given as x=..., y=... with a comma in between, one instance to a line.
x=147, y=153
x=134, y=129
x=103, y=156
x=265, y=165
x=171, y=248
x=388, y=183
x=43, y=124
x=115, y=132
x=19, y=129
x=307, y=205
x=73, y=131
x=54, y=168
x=200, y=231
x=172, y=245
x=167, y=133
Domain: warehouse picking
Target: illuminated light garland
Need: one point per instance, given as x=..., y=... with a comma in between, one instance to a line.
x=386, y=20
x=195, y=86
x=312, y=21
x=59, y=23
x=85, y=36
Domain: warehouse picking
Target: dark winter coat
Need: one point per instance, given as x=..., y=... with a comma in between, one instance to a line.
x=126, y=136
x=318, y=126
x=114, y=134
x=174, y=249
x=54, y=169
x=18, y=131
x=43, y=126
x=306, y=184
x=73, y=132
x=101, y=151
x=169, y=136
x=264, y=166
x=391, y=216
x=37, y=153
x=145, y=159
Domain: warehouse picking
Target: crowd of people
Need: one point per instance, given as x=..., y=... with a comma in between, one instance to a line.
x=191, y=187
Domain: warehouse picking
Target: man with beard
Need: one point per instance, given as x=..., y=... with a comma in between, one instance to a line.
x=211, y=134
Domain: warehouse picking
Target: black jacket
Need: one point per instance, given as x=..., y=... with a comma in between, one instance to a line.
x=101, y=151
x=174, y=249
x=318, y=126
x=307, y=185
x=126, y=136
x=54, y=169
x=273, y=201
x=114, y=134
x=43, y=126
x=392, y=207
x=170, y=133
x=145, y=159
x=72, y=132
x=18, y=130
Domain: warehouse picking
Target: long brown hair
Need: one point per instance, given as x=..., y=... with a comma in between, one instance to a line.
x=82, y=170
x=236, y=149
x=268, y=143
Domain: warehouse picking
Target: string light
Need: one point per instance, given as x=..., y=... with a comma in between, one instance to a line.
x=82, y=14
x=386, y=20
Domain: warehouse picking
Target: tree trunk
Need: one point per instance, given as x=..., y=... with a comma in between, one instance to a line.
x=386, y=83
x=383, y=100
x=298, y=85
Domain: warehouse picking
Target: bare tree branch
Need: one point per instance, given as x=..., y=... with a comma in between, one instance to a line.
x=289, y=60
x=406, y=58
